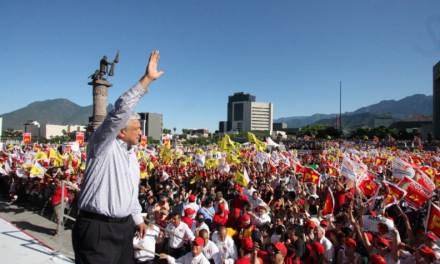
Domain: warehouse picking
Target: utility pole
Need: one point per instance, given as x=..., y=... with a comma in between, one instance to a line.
x=340, y=106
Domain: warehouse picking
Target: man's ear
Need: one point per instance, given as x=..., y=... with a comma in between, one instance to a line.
x=121, y=133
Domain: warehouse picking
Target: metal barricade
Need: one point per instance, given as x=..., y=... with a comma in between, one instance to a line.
x=60, y=219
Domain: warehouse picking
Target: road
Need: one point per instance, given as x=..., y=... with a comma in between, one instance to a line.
x=41, y=227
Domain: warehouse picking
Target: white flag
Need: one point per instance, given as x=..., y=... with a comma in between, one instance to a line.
x=402, y=168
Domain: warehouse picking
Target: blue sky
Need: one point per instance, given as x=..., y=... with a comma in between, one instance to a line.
x=290, y=53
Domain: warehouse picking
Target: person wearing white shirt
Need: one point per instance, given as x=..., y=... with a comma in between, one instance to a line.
x=152, y=237
x=254, y=200
x=249, y=191
x=210, y=250
x=192, y=204
x=219, y=199
x=199, y=224
x=194, y=257
x=182, y=231
x=226, y=245
x=328, y=246
x=262, y=218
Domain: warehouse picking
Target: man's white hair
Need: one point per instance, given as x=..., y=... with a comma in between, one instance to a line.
x=133, y=116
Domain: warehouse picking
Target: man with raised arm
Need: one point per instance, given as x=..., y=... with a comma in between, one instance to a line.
x=103, y=232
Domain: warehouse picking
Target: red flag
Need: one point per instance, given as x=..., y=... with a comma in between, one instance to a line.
x=417, y=195
x=313, y=136
x=429, y=171
x=80, y=138
x=392, y=140
x=437, y=181
x=420, y=147
x=366, y=184
x=306, y=138
x=27, y=138
x=329, y=205
x=433, y=223
x=381, y=161
x=310, y=175
x=376, y=139
x=416, y=139
x=37, y=148
x=299, y=168
x=332, y=171
x=143, y=141
x=396, y=191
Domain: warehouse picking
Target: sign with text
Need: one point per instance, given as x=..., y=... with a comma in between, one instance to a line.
x=143, y=141
x=378, y=224
x=80, y=138
x=26, y=138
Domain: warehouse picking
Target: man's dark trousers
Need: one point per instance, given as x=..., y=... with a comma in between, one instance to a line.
x=98, y=241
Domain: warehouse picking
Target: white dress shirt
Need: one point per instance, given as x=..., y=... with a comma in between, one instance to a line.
x=111, y=178
x=148, y=242
x=256, y=202
x=211, y=252
x=192, y=205
x=329, y=249
x=259, y=221
x=227, y=249
x=183, y=231
x=249, y=192
x=194, y=228
x=189, y=259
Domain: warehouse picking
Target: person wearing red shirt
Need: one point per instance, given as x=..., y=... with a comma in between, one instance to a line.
x=239, y=199
x=234, y=221
x=187, y=219
x=56, y=203
x=221, y=217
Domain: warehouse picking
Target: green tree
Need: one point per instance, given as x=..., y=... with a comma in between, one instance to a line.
x=166, y=131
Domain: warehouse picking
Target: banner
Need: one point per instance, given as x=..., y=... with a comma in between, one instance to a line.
x=143, y=141
x=240, y=179
x=424, y=180
x=402, y=169
x=416, y=195
x=378, y=224
x=437, y=181
x=429, y=171
x=329, y=205
x=80, y=138
x=399, y=193
x=26, y=138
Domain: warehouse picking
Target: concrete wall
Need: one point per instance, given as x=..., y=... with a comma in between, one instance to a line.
x=419, y=117
x=155, y=125
x=33, y=129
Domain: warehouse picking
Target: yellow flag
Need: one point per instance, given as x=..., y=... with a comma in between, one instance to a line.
x=239, y=178
x=40, y=155
x=83, y=167
x=232, y=159
x=212, y=163
x=140, y=154
x=226, y=144
x=195, y=179
x=36, y=171
x=150, y=165
x=26, y=167
x=143, y=174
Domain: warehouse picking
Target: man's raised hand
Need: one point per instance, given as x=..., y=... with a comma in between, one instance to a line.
x=152, y=72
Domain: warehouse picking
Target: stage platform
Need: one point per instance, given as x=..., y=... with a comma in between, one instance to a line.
x=16, y=246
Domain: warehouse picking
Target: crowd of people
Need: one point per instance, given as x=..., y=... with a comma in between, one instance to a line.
x=204, y=213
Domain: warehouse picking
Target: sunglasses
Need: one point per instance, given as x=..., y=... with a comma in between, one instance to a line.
x=381, y=245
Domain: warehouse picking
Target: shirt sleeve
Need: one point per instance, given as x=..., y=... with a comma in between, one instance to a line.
x=137, y=217
x=115, y=120
x=217, y=257
x=189, y=233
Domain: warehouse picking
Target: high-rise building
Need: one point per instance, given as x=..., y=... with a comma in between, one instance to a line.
x=244, y=114
x=436, y=100
x=151, y=125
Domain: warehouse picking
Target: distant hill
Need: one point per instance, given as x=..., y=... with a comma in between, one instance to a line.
x=55, y=112
x=410, y=105
x=363, y=119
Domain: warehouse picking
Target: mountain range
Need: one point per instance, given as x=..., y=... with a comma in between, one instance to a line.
x=55, y=112
x=418, y=103
x=65, y=112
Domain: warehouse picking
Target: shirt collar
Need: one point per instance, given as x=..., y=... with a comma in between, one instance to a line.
x=124, y=145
